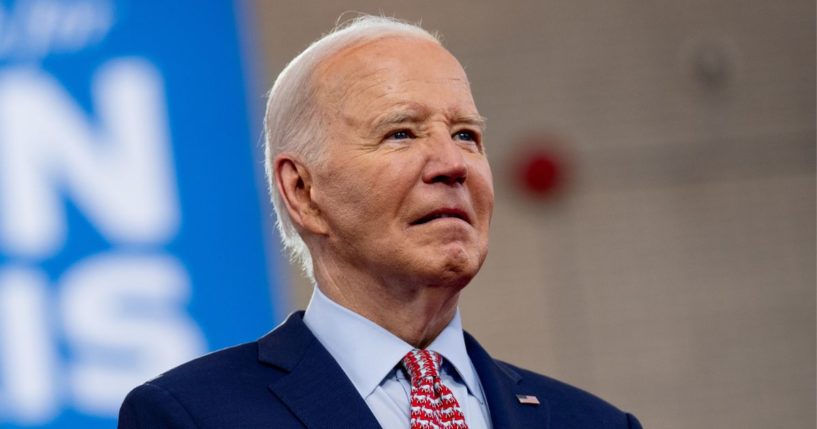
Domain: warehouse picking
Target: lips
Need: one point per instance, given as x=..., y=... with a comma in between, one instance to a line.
x=443, y=213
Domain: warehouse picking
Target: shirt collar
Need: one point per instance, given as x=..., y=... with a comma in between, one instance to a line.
x=367, y=352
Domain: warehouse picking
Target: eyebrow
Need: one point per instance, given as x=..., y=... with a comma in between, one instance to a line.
x=477, y=121
x=401, y=116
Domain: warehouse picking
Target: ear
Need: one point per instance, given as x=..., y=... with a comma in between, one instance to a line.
x=294, y=183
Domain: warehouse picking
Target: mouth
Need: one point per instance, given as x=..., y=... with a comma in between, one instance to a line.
x=445, y=213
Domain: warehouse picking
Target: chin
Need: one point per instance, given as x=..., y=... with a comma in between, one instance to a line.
x=455, y=268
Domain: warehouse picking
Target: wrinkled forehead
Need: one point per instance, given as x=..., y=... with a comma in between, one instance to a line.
x=383, y=64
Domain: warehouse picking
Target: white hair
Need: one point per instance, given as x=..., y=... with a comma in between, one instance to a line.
x=294, y=121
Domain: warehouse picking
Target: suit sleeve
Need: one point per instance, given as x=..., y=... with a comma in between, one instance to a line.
x=152, y=407
x=632, y=422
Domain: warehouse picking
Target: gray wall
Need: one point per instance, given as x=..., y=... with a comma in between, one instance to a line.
x=676, y=275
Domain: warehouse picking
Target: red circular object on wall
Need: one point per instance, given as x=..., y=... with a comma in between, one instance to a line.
x=541, y=172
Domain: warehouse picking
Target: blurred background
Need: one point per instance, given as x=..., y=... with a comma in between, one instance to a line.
x=653, y=240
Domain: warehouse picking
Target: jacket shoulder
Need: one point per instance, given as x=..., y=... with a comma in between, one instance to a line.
x=568, y=403
x=215, y=390
x=219, y=367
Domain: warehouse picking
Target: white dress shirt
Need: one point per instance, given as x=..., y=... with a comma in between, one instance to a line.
x=370, y=356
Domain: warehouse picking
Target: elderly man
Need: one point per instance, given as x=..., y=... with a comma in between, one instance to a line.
x=379, y=177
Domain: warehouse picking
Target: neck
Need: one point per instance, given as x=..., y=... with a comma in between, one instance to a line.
x=415, y=313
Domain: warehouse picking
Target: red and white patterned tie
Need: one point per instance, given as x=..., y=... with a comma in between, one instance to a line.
x=433, y=406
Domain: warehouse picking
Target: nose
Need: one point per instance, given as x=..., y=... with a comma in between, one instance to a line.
x=446, y=163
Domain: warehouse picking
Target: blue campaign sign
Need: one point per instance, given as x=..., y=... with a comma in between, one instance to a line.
x=132, y=233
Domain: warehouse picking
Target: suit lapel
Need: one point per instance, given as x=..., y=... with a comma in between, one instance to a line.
x=501, y=384
x=315, y=389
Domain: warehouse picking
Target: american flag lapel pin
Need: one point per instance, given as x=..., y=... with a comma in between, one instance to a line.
x=527, y=399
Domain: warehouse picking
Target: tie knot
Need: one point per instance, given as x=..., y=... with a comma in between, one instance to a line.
x=422, y=363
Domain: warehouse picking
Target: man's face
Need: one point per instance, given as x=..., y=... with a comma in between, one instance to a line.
x=406, y=188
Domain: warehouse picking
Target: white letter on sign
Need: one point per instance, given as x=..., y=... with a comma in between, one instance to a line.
x=118, y=172
x=28, y=367
x=125, y=320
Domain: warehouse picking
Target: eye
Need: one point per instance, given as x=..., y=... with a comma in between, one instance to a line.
x=400, y=135
x=466, y=135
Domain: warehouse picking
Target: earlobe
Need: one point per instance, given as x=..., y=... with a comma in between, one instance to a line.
x=295, y=186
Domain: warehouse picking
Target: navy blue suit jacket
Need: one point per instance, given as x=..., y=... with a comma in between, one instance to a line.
x=287, y=379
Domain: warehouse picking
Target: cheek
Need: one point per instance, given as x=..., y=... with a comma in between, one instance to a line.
x=335, y=193
x=362, y=194
x=483, y=189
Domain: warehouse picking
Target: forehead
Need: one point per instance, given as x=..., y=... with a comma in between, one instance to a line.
x=394, y=70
